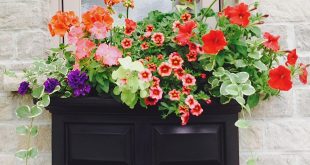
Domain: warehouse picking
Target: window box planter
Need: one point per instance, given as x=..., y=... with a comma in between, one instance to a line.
x=101, y=131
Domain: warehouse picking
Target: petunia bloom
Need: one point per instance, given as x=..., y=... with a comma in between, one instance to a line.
x=188, y=80
x=50, y=84
x=186, y=17
x=239, y=14
x=303, y=75
x=23, y=88
x=99, y=30
x=292, y=58
x=84, y=48
x=97, y=14
x=175, y=60
x=185, y=32
x=108, y=55
x=192, y=56
x=214, y=42
x=196, y=110
x=145, y=75
x=158, y=39
x=272, y=42
x=75, y=34
x=130, y=27
x=61, y=22
x=156, y=81
x=183, y=110
x=164, y=69
x=280, y=78
x=145, y=46
x=127, y=43
x=179, y=73
x=77, y=80
x=174, y=95
x=190, y=101
x=156, y=93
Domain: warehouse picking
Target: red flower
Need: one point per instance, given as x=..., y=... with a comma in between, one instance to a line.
x=176, y=25
x=203, y=75
x=150, y=101
x=158, y=39
x=272, y=42
x=238, y=15
x=156, y=93
x=188, y=80
x=292, y=58
x=156, y=81
x=190, y=101
x=175, y=60
x=192, y=56
x=144, y=46
x=280, y=78
x=174, y=95
x=127, y=43
x=214, y=42
x=130, y=27
x=164, y=69
x=186, y=17
x=184, y=114
x=160, y=57
x=185, y=32
x=149, y=28
x=196, y=110
x=145, y=75
x=303, y=76
x=186, y=90
x=209, y=101
x=193, y=46
x=152, y=67
x=179, y=73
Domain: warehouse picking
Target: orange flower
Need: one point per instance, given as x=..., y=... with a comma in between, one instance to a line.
x=111, y=2
x=97, y=14
x=61, y=23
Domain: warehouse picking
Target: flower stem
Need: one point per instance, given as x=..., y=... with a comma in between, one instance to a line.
x=212, y=4
x=195, y=8
x=127, y=13
x=29, y=138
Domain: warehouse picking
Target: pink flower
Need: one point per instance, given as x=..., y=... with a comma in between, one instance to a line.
x=158, y=39
x=184, y=114
x=145, y=75
x=196, y=110
x=156, y=81
x=179, y=73
x=75, y=33
x=186, y=90
x=127, y=43
x=164, y=69
x=147, y=34
x=156, y=93
x=176, y=25
x=188, y=80
x=108, y=55
x=190, y=101
x=175, y=60
x=83, y=48
x=192, y=56
x=144, y=46
x=174, y=95
x=99, y=30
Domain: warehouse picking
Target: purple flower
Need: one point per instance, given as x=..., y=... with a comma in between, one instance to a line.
x=77, y=80
x=23, y=88
x=50, y=84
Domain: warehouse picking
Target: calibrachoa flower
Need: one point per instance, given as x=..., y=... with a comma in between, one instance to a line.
x=292, y=58
x=99, y=30
x=77, y=80
x=175, y=60
x=75, y=33
x=176, y=25
x=97, y=14
x=209, y=101
x=186, y=90
x=50, y=84
x=303, y=75
x=214, y=42
x=190, y=101
x=272, y=42
x=145, y=75
x=160, y=57
x=156, y=81
x=108, y=55
x=174, y=95
x=83, y=48
x=192, y=56
x=185, y=32
x=61, y=23
x=158, y=39
x=164, y=69
x=197, y=109
x=184, y=114
x=127, y=43
x=150, y=101
x=238, y=14
x=23, y=88
x=149, y=28
x=156, y=93
x=186, y=17
x=188, y=80
x=144, y=46
x=179, y=73
x=203, y=75
x=130, y=27
x=280, y=78
x=152, y=67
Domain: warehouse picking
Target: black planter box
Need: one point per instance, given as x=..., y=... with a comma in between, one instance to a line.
x=101, y=131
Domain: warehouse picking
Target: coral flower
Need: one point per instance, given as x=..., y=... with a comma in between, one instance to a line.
x=99, y=30
x=156, y=93
x=184, y=114
x=176, y=25
x=272, y=42
x=75, y=33
x=145, y=46
x=108, y=55
x=196, y=110
x=186, y=17
x=179, y=73
x=185, y=32
x=238, y=14
x=61, y=22
x=280, y=78
x=292, y=58
x=175, y=61
x=174, y=95
x=160, y=57
x=190, y=101
x=192, y=56
x=152, y=67
x=158, y=39
x=97, y=14
x=156, y=81
x=150, y=101
x=83, y=48
x=145, y=75
x=186, y=90
x=303, y=75
x=127, y=43
x=188, y=80
x=164, y=69
x=111, y=2
x=150, y=28
x=214, y=42
x=130, y=27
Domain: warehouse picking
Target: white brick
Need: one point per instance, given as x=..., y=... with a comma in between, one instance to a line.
x=302, y=97
x=302, y=37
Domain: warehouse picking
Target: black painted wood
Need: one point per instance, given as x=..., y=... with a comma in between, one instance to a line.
x=101, y=131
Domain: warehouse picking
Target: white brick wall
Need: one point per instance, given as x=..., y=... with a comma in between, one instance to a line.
x=281, y=129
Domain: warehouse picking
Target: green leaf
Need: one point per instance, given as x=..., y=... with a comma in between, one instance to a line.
x=223, y=88
x=260, y=65
x=23, y=111
x=33, y=152
x=116, y=91
x=232, y=89
x=22, y=130
x=35, y=111
x=45, y=101
x=22, y=154
x=256, y=31
x=219, y=72
x=255, y=55
x=242, y=77
x=241, y=123
x=251, y=161
x=248, y=89
x=253, y=100
x=240, y=100
x=67, y=94
x=240, y=63
x=143, y=94
x=38, y=92
x=208, y=66
x=34, y=131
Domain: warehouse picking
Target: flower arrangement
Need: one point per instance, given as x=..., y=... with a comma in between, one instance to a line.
x=174, y=61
